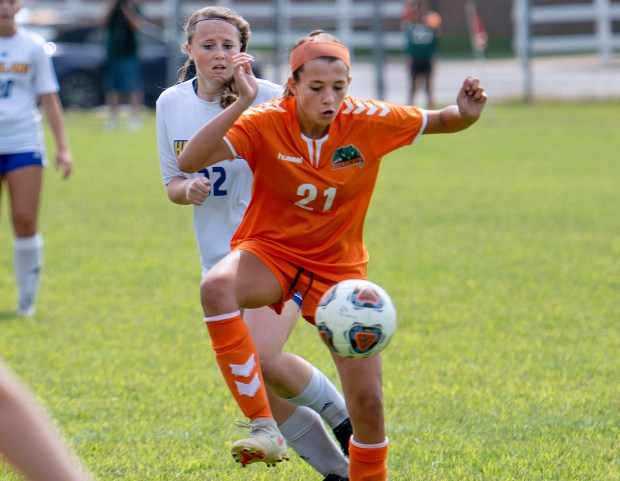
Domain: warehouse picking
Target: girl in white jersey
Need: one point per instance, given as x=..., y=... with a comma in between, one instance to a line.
x=220, y=195
x=26, y=78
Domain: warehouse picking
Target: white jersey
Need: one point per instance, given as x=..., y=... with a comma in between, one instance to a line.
x=180, y=113
x=26, y=72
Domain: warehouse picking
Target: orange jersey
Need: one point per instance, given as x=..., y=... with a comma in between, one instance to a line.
x=310, y=196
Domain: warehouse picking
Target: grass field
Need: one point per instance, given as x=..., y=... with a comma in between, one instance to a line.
x=500, y=247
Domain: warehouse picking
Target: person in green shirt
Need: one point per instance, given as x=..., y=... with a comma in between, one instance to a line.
x=123, y=75
x=422, y=29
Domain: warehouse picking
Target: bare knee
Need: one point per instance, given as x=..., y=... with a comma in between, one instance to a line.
x=365, y=402
x=24, y=223
x=366, y=411
x=361, y=381
x=269, y=366
x=216, y=295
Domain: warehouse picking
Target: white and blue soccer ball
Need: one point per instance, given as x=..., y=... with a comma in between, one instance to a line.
x=356, y=318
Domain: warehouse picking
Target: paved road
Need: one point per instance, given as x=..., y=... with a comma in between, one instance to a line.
x=569, y=77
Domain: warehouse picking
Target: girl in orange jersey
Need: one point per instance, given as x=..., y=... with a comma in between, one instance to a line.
x=301, y=397
x=315, y=155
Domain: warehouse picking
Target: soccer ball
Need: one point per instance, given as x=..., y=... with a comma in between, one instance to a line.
x=356, y=318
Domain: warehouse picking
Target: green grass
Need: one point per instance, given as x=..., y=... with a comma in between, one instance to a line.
x=500, y=247
x=459, y=47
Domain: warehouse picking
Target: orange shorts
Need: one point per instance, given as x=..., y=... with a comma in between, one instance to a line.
x=292, y=279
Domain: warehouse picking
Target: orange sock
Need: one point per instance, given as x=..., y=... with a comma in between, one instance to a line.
x=238, y=360
x=367, y=463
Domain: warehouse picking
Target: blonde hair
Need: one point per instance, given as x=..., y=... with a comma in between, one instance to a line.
x=229, y=91
x=314, y=36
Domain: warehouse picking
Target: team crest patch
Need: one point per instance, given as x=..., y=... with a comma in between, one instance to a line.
x=347, y=157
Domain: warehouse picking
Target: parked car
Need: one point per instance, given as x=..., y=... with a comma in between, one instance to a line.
x=78, y=54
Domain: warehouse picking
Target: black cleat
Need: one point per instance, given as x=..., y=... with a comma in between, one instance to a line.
x=335, y=477
x=343, y=432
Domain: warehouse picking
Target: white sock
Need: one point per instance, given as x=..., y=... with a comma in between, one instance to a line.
x=28, y=264
x=322, y=396
x=305, y=432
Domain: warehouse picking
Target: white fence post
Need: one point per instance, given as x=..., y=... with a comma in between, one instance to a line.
x=344, y=29
x=603, y=30
x=600, y=12
x=522, y=23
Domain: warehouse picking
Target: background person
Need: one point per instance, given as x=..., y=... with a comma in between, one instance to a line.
x=422, y=28
x=123, y=72
x=315, y=165
x=27, y=78
x=220, y=195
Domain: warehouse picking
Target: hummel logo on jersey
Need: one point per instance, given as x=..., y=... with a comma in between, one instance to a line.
x=289, y=158
x=347, y=157
x=368, y=107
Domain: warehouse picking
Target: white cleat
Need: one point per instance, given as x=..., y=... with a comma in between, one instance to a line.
x=264, y=445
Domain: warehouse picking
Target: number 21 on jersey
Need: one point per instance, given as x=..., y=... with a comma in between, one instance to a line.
x=309, y=194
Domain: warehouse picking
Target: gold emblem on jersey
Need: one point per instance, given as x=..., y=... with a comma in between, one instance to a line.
x=14, y=68
x=178, y=146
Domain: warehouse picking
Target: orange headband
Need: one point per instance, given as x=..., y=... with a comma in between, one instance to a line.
x=310, y=50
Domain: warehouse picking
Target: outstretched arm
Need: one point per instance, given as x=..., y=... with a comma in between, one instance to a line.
x=207, y=147
x=470, y=102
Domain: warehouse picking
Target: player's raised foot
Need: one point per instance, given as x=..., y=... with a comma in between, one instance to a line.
x=343, y=432
x=335, y=477
x=265, y=444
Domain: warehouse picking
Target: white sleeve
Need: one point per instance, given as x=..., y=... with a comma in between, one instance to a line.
x=266, y=91
x=45, y=80
x=167, y=157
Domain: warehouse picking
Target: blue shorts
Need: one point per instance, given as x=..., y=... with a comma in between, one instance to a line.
x=123, y=74
x=9, y=162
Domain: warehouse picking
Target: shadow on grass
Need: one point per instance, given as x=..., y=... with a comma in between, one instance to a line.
x=8, y=315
